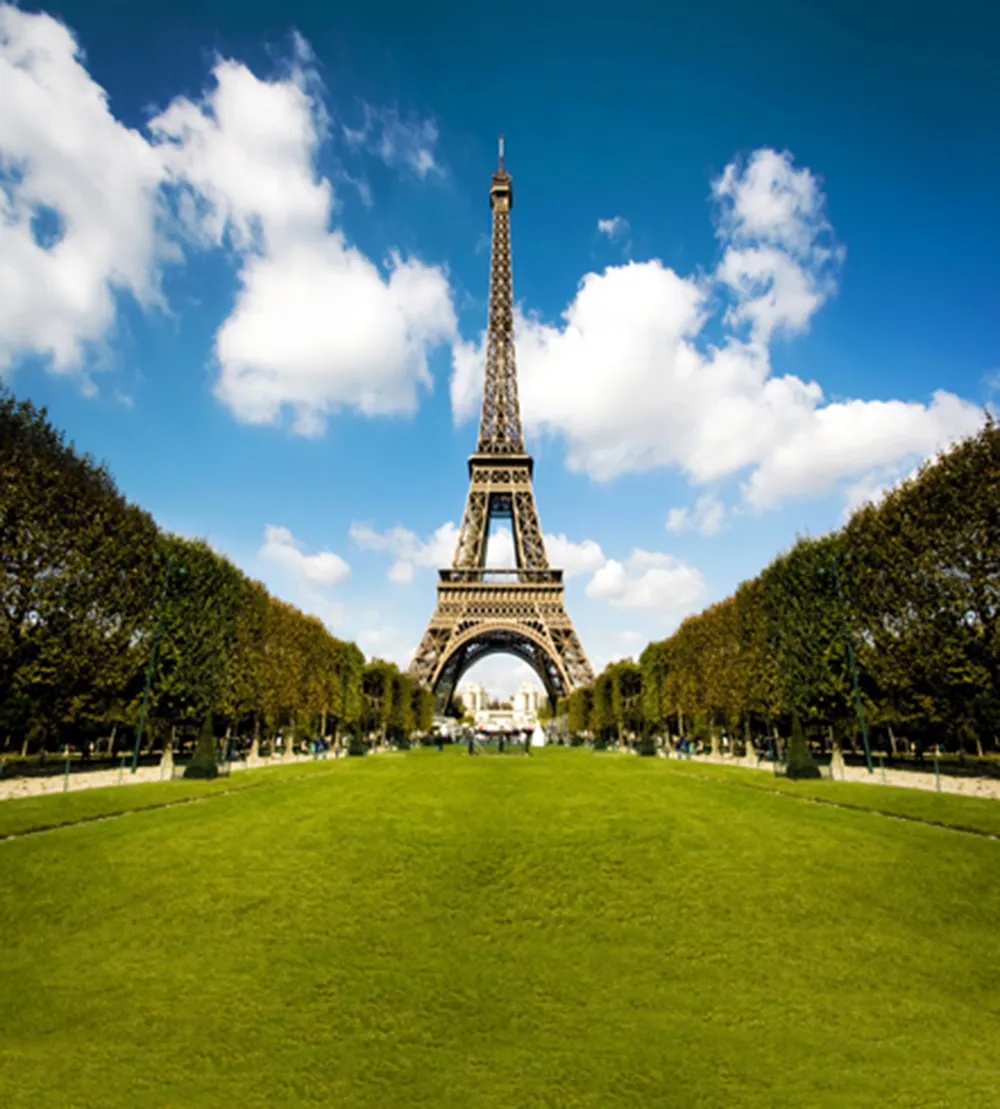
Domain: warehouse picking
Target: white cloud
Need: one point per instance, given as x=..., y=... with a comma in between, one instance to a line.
x=439, y=550
x=774, y=293
x=574, y=558
x=630, y=383
x=650, y=581
x=396, y=141
x=316, y=325
x=500, y=550
x=615, y=228
x=78, y=200
x=706, y=517
x=242, y=159
x=84, y=215
x=629, y=641
x=436, y=552
x=401, y=573
x=379, y=640
x=771, y=202
x=858, y=437
x=282, y=549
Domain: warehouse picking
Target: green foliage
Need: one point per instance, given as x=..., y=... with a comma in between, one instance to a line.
x=910, y=588
x=88, y=583
x=654, y=667
x=578, y=709
x=601, y=721
x=76, y=580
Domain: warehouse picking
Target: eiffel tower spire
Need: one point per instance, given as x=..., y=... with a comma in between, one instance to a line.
x=521, y=610
x=500, y=423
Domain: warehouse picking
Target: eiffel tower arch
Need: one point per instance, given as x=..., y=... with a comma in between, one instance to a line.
x=481, y=611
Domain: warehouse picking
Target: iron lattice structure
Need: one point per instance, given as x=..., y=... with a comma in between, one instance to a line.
x=483, y=611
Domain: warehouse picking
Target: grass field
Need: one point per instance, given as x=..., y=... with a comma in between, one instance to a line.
x=573, y=929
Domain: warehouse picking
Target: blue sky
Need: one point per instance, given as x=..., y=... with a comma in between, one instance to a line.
x=754, y=254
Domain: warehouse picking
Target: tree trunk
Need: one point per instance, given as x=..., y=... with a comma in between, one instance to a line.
x=111, y=738
x=322, y=723
x=892, y=740
x=680, y=723
x=749, y=754
x=714, y=733
x=336, y=737
x=979, y=745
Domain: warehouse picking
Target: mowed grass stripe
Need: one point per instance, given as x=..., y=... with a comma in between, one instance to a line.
x=430, y=929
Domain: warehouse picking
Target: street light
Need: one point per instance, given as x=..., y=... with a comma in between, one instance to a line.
x=842, y=608
x=168, y=566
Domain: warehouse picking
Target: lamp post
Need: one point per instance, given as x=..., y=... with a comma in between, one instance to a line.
x=168, y=567
x=842, y=609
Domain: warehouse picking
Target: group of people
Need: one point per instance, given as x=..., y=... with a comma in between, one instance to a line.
x=505, y=737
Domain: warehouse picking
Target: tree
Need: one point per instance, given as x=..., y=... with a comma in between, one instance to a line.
x=376, y=685
x=76, y=580
x=626, y=696
x=422, y=708
x=199, y=631
x=244, y=678
x=349, y=704
x=602, y=714
x=400, y=718
x=654, y=667
x=579, y=709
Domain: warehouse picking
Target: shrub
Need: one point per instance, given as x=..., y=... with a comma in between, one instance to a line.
x=800, y=761
x=204, y=764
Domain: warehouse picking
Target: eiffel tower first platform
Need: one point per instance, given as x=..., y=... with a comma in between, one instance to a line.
x=483, y=611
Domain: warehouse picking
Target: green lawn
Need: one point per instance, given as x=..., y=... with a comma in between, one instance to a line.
x=434, y=930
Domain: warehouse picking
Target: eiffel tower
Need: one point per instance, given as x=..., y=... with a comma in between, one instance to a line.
x=520, y=611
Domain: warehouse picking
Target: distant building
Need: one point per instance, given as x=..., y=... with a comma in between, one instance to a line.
x=528, y=700
x=473, y=699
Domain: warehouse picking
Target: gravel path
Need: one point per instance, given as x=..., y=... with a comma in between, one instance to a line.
x=909, y=779
x=93, y=779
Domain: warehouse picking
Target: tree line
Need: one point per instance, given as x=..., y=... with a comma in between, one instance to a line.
x=894, y=619
x=89, y=585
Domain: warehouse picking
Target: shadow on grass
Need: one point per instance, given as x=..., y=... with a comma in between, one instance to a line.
x=802, y=773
